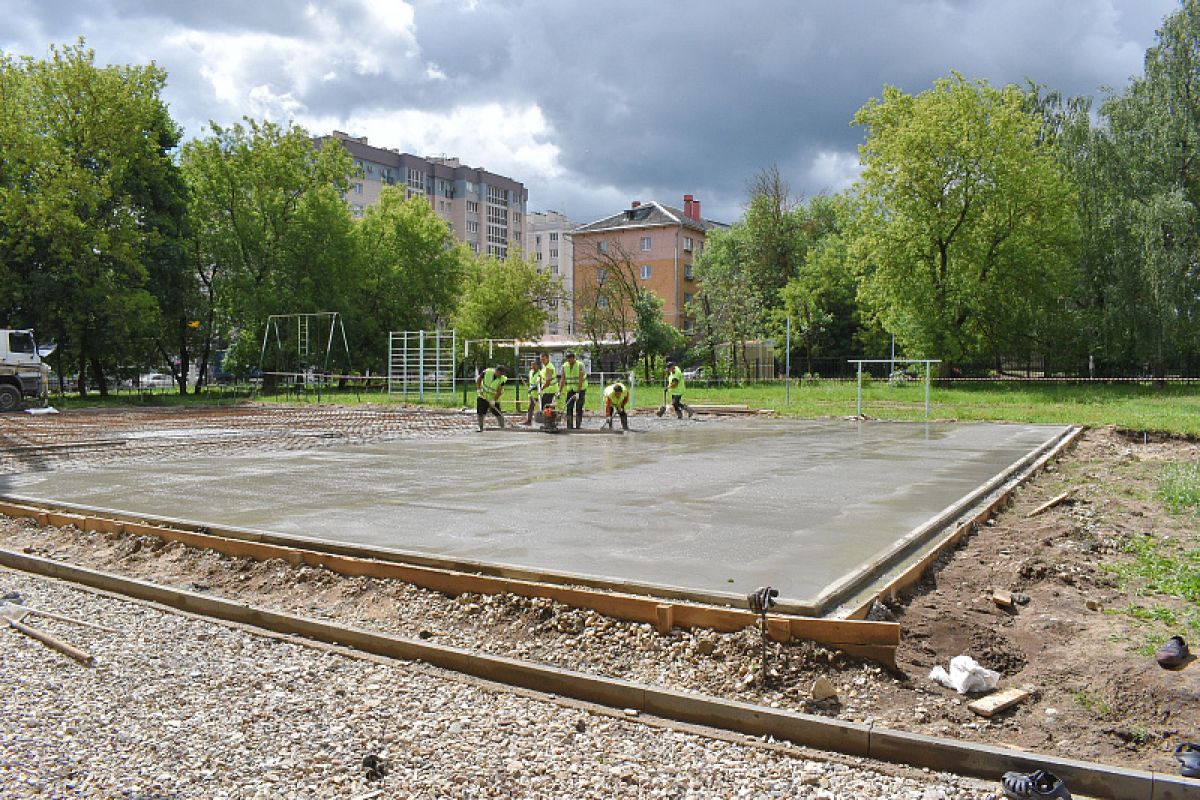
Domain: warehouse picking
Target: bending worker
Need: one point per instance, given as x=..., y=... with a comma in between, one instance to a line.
x=573, y=385
x=675, y=387
x=616, y=398
x=489, y=385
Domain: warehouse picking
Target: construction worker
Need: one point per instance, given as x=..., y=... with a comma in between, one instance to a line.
x=675, y=387
x=547, y=381
x=616, y=398
x=573, y=386
x=535, y=383
x=489, y=385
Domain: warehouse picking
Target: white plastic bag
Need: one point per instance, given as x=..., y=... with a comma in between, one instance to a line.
x=966, y=676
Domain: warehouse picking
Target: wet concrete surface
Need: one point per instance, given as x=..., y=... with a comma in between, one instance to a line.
x=709, y=507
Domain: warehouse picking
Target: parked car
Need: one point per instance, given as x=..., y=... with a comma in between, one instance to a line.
x=693, y=374
x=155, y=380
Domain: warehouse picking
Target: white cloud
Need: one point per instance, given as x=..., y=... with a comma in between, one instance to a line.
x=832, y=171
x=505, y=139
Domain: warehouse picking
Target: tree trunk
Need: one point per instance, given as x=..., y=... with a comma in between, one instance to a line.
x=101, y=380
x=81, y=376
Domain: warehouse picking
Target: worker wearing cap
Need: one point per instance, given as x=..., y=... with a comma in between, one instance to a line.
x=616, y=398
x=675, y=387
x=573, y=385
x=547, y=381
x=489, y=385
x=535, y=382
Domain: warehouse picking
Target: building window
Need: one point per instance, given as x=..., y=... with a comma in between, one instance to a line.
x=472, y=226
x=554, y=303
x=601, y=302
x=497, y=196
x=470, y=187
x=538, y=257
x=601, y=274
x=645, y=244
x=357, y=188
x=645, y=272
x=688, y=274
x=687, y=244
x=472, y=207
x=537, y=240
x=602, y=247
x=554, y=252
x=356, y=211
x=687, y=298
x=516, y=236
x=416, y=179
x=554, y=237
x=554, y=269
x=689, y=326
x=516, y=216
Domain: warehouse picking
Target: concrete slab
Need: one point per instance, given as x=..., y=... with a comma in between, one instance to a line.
x=712, y=508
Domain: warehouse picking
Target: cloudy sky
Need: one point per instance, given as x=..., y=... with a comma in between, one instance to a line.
x=595, y=103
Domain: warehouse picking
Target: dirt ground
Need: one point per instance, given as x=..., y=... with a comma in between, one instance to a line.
x=1083, y=642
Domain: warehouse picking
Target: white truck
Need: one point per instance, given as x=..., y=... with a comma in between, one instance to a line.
x=22, y=373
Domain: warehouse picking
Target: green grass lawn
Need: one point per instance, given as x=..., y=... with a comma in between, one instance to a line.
x=1174, y=409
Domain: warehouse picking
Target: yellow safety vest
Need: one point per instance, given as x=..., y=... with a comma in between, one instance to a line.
x=573, y=377
x=489, y=387
x=547, y=384
x=676, y=375
x=618, y=404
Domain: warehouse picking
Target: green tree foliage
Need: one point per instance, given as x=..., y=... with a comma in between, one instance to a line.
x=505, y=299
x=1139, y=178
x=655, y=338
x=271, y=233
x=90, y=207
x=411, y=270
x=967, y=230
x=729, y=307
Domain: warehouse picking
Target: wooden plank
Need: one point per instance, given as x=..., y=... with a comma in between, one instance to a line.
x=1002, y=598
x=665, y=618
x=1049, y=504
x=996, y=702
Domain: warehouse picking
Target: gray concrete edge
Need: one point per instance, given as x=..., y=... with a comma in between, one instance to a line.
x=861, y=580
x=866, y=740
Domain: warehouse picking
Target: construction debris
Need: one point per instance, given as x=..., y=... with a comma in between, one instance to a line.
x=1049, y=504
x=997, y=702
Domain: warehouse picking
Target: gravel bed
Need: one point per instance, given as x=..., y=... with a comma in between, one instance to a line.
x=179, y=707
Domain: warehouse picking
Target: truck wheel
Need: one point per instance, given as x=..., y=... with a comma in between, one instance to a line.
x=10, y=398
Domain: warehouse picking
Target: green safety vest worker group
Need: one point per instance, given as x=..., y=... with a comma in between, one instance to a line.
x=548, y=380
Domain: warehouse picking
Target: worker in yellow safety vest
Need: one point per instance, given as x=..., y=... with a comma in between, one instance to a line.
x=535, y=385
x=675, y=387
x=616, y=398
x=547, y=381
x=573, y=385
x=489, y=385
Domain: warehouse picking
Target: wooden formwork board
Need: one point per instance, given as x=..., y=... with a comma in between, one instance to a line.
x=874, y=640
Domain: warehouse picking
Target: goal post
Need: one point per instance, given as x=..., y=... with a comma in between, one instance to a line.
x=928, y=362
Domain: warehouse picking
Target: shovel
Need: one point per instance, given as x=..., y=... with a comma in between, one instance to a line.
x=663, y=408
x=13, y=614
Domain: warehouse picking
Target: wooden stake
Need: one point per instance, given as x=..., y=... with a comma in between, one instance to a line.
x=54, y=642
x=1049, y=504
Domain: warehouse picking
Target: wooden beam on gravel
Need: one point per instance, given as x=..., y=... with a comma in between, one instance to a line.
x=868, y=639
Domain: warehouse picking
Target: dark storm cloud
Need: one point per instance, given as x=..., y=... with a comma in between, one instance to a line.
x=646, y=99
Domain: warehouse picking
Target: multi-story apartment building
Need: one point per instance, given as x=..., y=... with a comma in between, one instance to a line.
x=550, y=246
x=653, y=245
x=484, y=210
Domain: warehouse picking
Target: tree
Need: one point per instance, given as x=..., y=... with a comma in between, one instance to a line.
x=505, y=299
x=654, y=336
x=270, y=231
x=606, y=301
x=728, y=307
x=968, y=232
x=410, y=270
x=89, y=198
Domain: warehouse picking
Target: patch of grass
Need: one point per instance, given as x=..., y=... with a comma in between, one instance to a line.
x=1179, y=488
x=1160, y=570
x=1093, y=701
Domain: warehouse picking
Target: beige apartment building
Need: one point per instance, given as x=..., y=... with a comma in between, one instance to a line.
x=656, y=243
x=550, y=246
x=486, y=211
